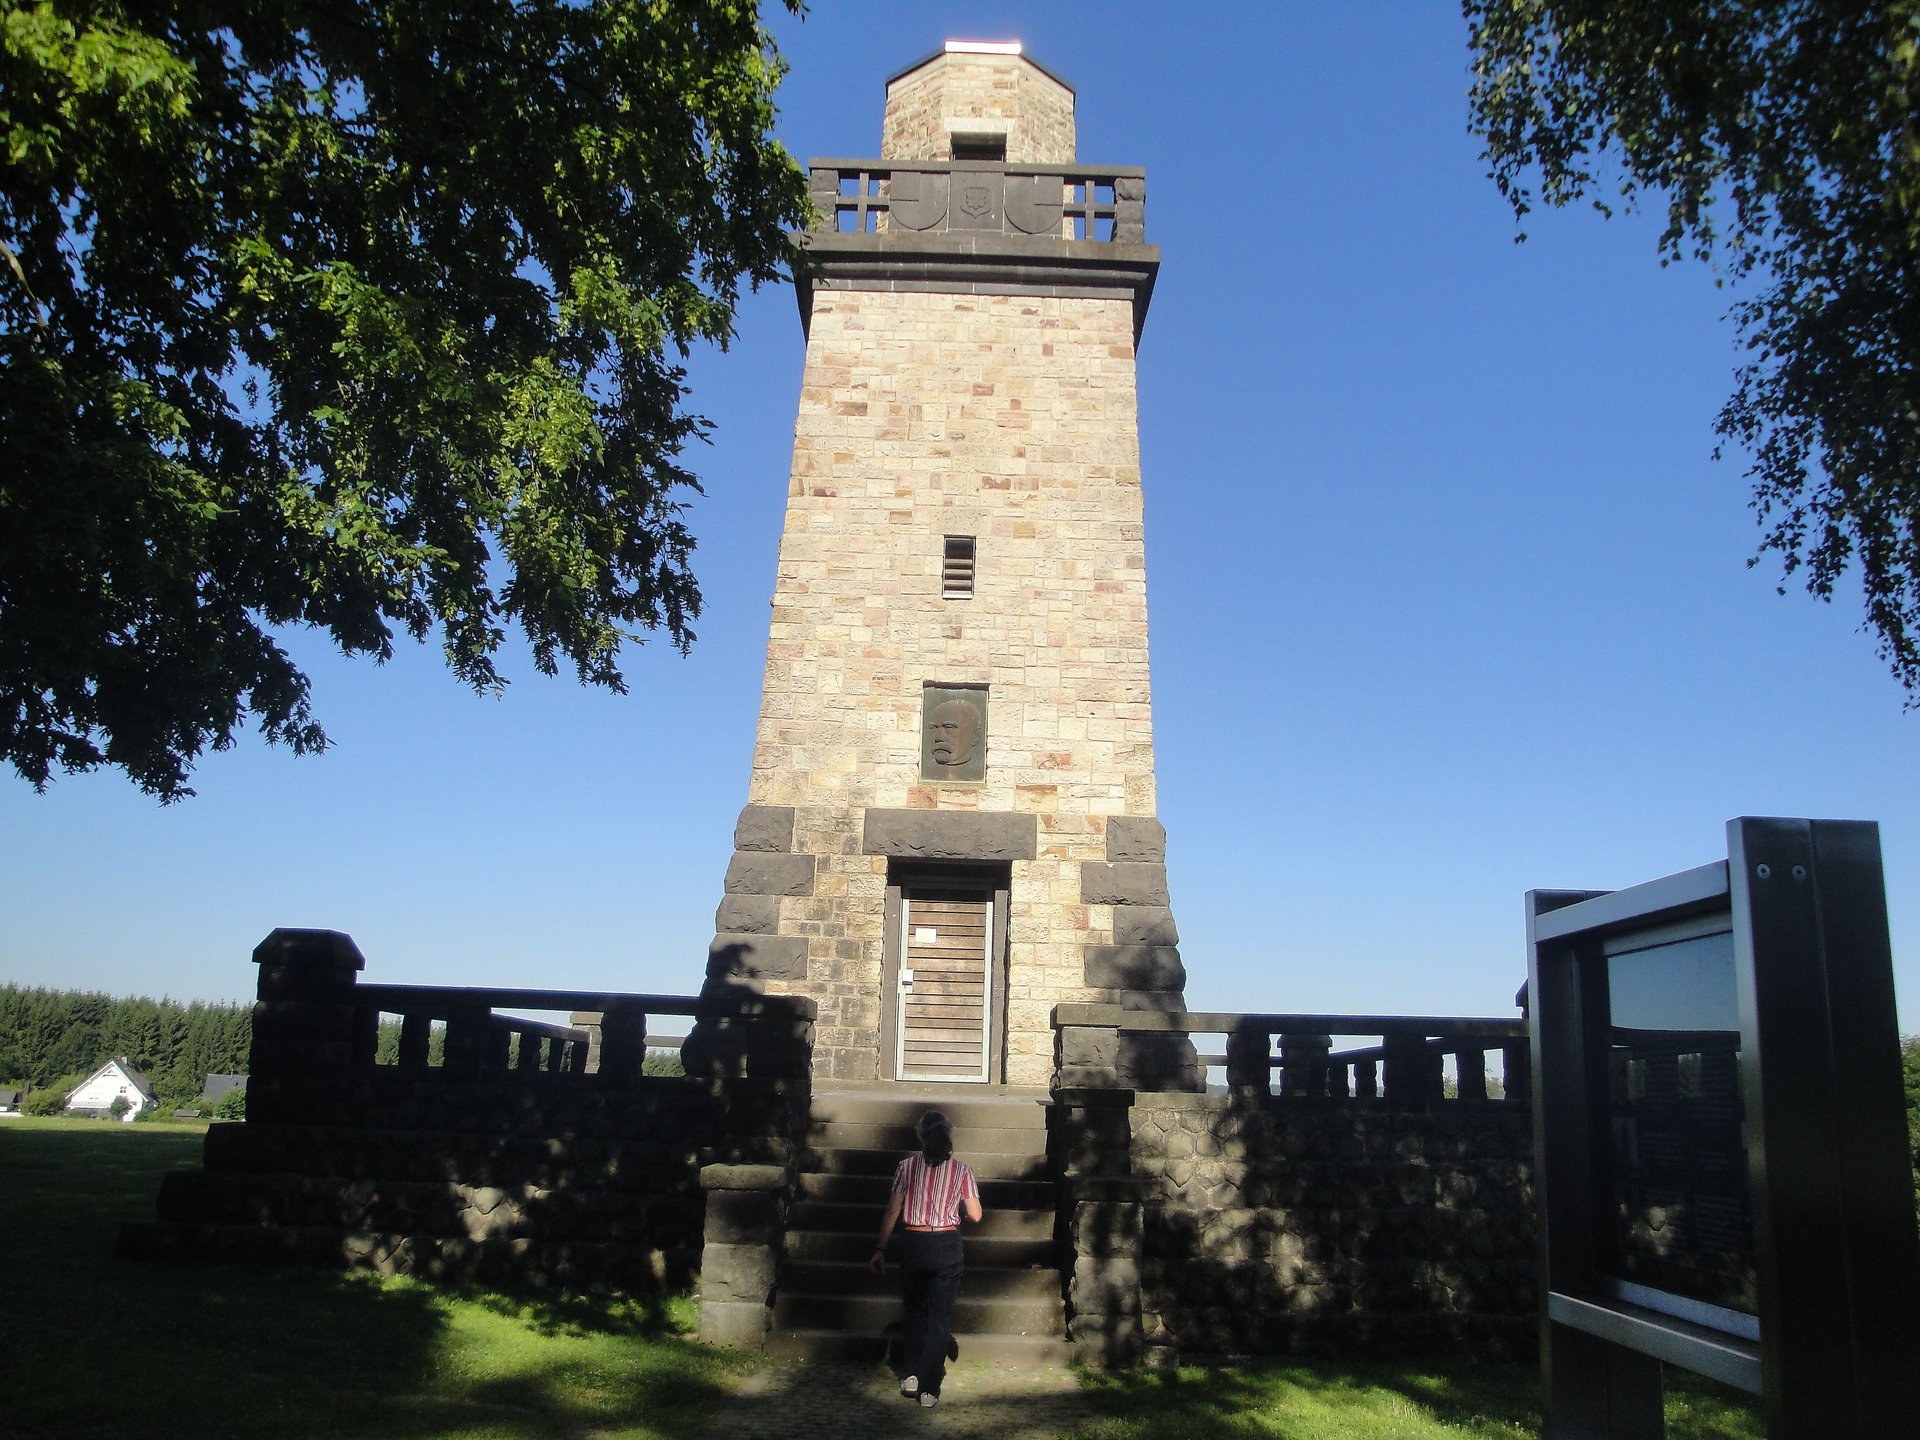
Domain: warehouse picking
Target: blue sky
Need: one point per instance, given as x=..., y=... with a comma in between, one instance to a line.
x=1449, y=599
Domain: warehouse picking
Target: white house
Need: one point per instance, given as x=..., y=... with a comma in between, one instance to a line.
x=112, y=1081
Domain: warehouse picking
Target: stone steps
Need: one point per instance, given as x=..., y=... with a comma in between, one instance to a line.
x=838, y=1347
x=988, y=1166
x=863, y=1218
x=971, y=1141
x=985, y=1280
x=830, y=1307
x=873, y=1190
x=871, y=1314
x=853, y=1246
x=967, y=1106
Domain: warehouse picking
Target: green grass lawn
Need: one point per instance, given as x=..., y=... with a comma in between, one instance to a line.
x=152, y=1350
x=1323, y=1401
x=141, y=1350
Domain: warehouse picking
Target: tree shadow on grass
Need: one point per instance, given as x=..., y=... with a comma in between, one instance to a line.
x=1307, y=1401
x=1371, y=1401
x=652, y=1317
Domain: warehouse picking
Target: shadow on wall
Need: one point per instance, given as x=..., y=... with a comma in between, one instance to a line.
x=1209, y=1225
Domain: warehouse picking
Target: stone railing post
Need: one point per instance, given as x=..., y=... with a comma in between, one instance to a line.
x=1413, y=1072
x=622, y=1038
x=304, y=1020
x=739, y=1035
x=753, y=1056
x=1516, y=1070
x=1104, y=1293
x=1471, y=1063
x=416, y=1040
x=1086, y=1047
x=588, y=1061
x=465, y=1054
x=527, y=1059
x=744, y=1231
x=764, y=1104
x=1366, y=1078
x=1249, y=1061
x=1101, y=1217
x=499, y=1048
x=1130, y=210
x=1101, y=1211
x=1303, y=1064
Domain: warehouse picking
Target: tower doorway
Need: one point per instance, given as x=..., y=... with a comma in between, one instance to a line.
x=945, y=999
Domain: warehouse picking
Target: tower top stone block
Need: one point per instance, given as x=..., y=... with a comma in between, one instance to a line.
x=979, y=100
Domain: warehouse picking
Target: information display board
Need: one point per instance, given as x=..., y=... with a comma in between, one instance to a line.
x=1720, y=1141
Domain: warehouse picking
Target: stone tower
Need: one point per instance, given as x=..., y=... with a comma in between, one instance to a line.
x=950, y=825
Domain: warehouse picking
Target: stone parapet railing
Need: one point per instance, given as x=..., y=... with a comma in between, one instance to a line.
x=965, y=227
x=932, y=197
x=1292, y=1057
x=313, y=1017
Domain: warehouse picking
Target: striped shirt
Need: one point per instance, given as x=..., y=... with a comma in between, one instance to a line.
x=933, y=1192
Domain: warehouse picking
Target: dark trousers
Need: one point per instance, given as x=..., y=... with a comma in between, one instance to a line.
x=930, y=1265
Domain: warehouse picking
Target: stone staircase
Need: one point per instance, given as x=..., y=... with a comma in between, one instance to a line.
x=830, y=1307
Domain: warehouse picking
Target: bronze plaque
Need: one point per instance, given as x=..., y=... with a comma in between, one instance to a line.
x=953, y=732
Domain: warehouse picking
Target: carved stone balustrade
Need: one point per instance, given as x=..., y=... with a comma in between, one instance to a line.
x=926, y=197
x=978, y=227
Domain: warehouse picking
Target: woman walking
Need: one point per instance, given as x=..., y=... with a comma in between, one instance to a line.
x=931, y=1192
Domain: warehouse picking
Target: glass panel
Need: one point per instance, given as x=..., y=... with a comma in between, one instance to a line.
x=1678, y=1216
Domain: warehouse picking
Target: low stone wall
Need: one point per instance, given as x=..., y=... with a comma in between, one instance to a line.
x=582, y=1177
x=563, y=1185
x=1208, y=1225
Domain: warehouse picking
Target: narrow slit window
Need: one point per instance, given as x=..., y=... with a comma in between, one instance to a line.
x=956, y=568
x=980, y=147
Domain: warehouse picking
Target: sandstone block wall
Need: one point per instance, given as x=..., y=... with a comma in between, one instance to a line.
x=1011, y=419
x=979, y=95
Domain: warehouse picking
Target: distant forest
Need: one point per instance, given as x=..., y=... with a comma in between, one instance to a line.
x=49, y=1036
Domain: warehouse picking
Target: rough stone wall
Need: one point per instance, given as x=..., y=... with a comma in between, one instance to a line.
x=558, y=1184
x=979, y=95
x=1229, y=1229
x=1011, y=419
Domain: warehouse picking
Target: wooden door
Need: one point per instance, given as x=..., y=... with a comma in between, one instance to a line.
x=945, y=986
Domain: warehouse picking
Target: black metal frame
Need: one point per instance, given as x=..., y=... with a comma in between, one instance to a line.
x=1836, y=1258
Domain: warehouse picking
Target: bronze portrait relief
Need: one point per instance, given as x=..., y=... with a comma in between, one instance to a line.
x=953, y=732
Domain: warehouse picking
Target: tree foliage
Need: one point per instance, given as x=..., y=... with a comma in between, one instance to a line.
x=1910, y=1075
x=48, y=1034
x=359, y=317
x=1782, y=137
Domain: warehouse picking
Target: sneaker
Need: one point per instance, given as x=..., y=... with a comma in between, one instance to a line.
x=928, y=1399
x=910, y=1386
